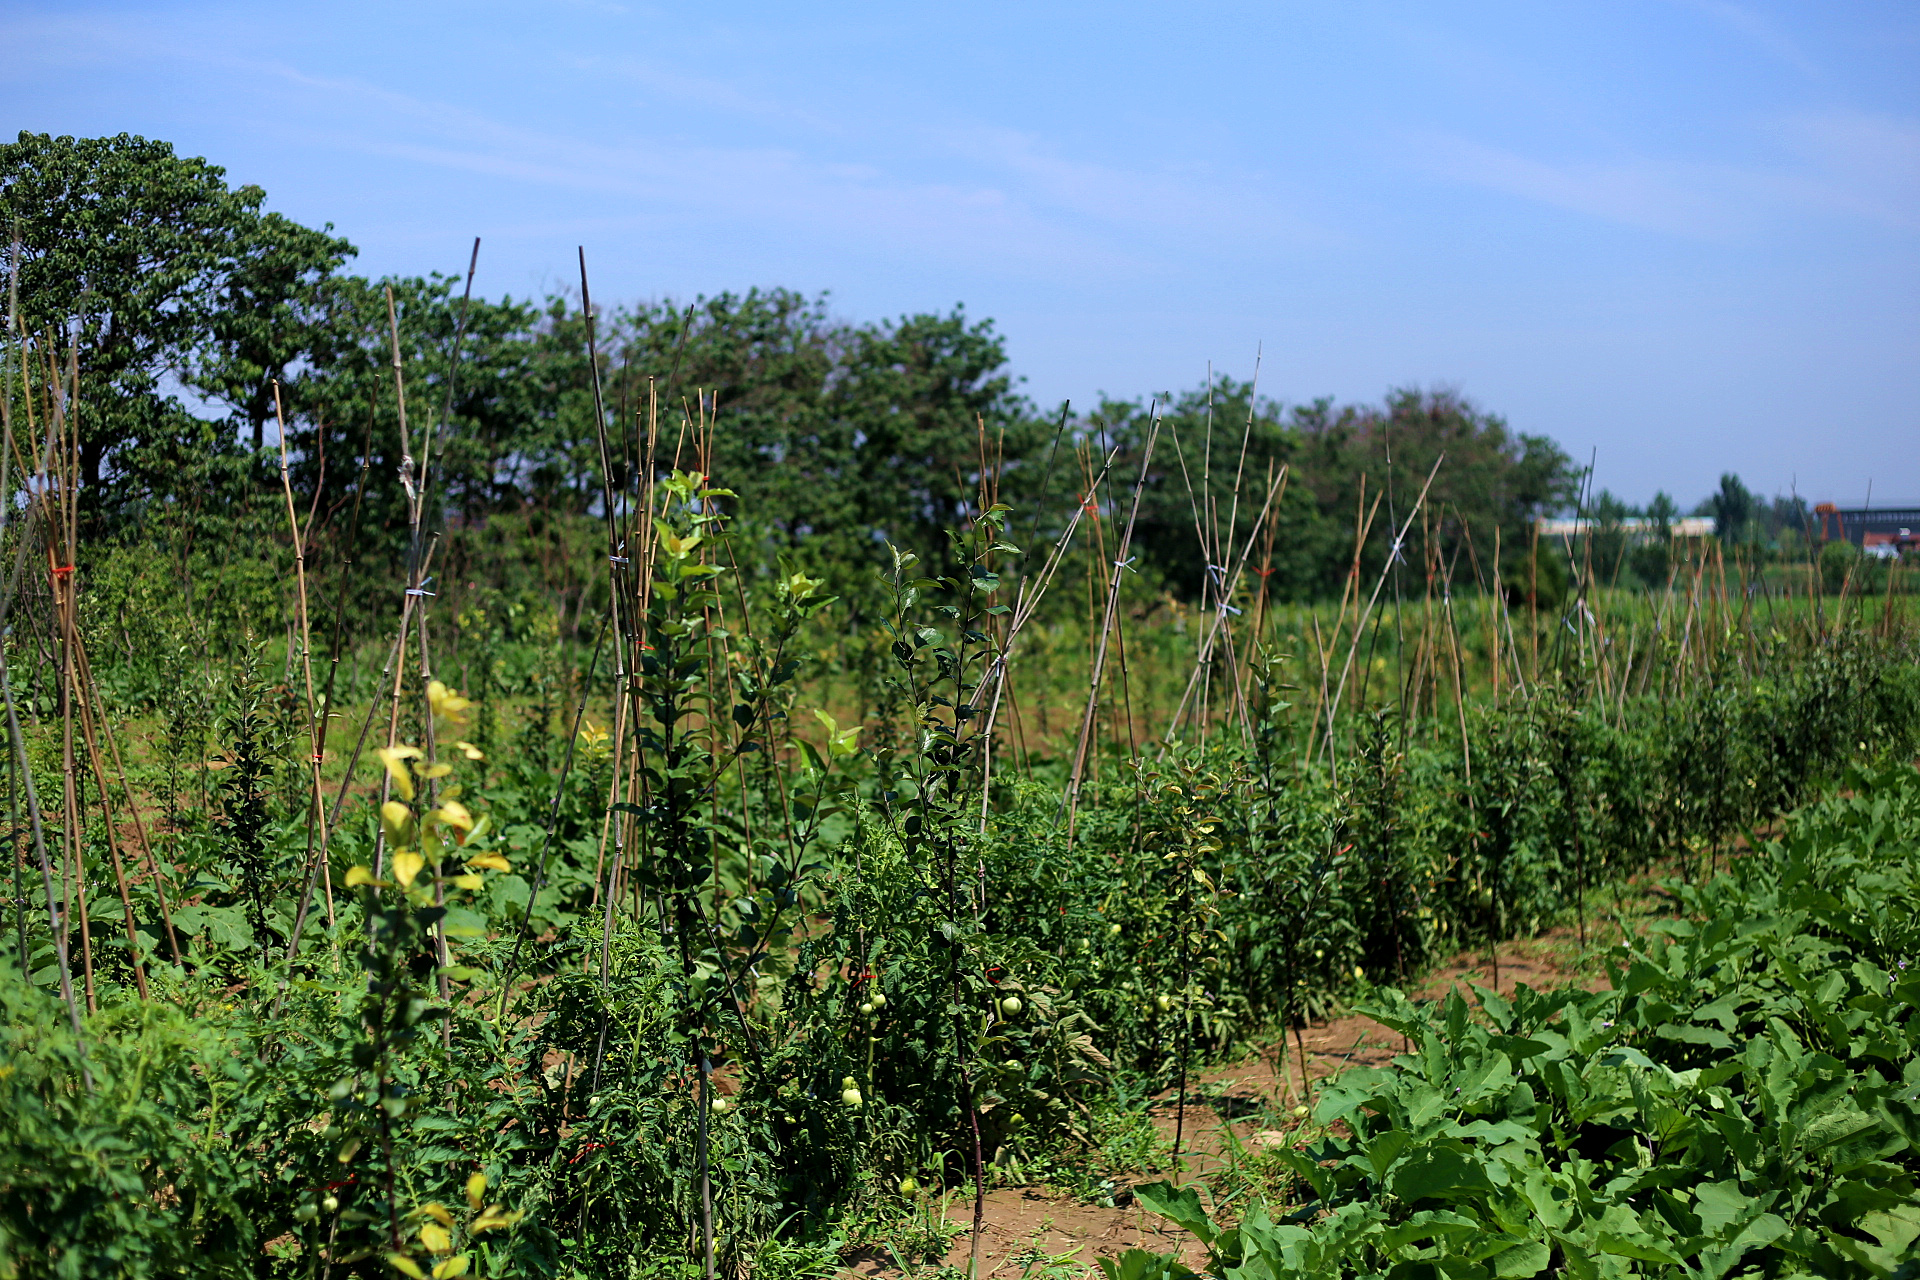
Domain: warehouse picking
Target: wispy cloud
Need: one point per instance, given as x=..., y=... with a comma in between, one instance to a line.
x=1758, y=31
x=954, y=190
x=1853, y=165
x=1859, y=162
x=1643, y=193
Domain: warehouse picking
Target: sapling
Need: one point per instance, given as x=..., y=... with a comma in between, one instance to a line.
x=438, y=855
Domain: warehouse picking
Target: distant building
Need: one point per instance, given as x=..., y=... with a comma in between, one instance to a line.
x=1870, y=527
x=1890, y=546
x=1685, y=527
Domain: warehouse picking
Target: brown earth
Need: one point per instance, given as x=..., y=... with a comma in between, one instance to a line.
x=1038, y=1232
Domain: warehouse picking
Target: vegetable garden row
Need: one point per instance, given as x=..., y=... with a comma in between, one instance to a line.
x=1743, y=1100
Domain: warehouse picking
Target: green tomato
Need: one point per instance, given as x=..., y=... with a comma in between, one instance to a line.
x=1164, y=1002
x=1016, y=1121
x=1010, y=1007
x=867, y=1009
x=908, y=1186
x=722, y=1105
x=879, y=1000
x=1300, y=1113
x=851, y=1098
x=331, y=1204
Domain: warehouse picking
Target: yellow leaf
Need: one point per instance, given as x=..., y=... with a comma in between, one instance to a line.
x=496, y=1218
x=438, y=1212
x=357, y=876
x=397, y=819
x=476, y=1191
x=470, y=751
x=436, y=771
x=455, y=1266
x=445, y=702
x=395, y=759
x=470, y=882
x=436, y=1237
x=455, y=814
x=406, y=866
x=405, y=1266
x=491, y=860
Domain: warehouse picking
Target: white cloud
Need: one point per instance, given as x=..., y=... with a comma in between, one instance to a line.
x=1859, y=162
x=1857, y=166
x=1758, y=31
x=960, y=191
x=1637, y=192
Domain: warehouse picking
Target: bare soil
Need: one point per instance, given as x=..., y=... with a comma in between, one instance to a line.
x=1035, y=1232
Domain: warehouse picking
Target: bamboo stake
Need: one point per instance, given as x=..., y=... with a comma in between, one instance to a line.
x=1222, y=609
x=1072, y=798
x=316, y=797
x=60, y=587
x=1392, y=552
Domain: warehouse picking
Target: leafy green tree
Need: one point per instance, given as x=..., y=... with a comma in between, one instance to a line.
x=268, y=307
x=1340, y=460
x=837, y=437
x=154, y=267
x=1731, y=508
x=920, y=404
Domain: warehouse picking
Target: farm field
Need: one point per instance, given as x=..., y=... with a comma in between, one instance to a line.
x=537, y=790
x=710, y=935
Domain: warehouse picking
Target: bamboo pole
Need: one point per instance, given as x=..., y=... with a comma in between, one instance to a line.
x=1072, y=798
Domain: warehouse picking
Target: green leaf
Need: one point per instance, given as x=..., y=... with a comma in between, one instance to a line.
x=1719, y=1205
x=1182, y=1205
x=462, y=922
x=1441, y=1170
x=1528, y=1259
x=1426, y=1225
x=1383, y=1149
x=1638, y=1248
x=1138, y=1264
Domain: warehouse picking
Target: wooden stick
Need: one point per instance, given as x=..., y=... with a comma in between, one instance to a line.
x=1072, y=798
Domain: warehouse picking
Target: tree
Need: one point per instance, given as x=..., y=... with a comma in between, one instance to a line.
x=1730, y=508
x=267, y=304
x=1340, y=460
x=153, y=266
x=915, y=404
x=836, y=437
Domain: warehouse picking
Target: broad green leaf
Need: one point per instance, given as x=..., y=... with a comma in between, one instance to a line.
x=1182, y=1205
x=1440, y=1170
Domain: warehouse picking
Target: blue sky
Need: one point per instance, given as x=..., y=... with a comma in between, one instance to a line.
x=1685, y=233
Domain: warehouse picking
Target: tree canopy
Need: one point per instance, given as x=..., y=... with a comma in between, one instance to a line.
x=185, y=302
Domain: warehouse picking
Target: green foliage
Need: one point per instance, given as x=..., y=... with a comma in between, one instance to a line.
x=1493, y=478
x=154, y=264
x=667, y=946
x=1745, y=1099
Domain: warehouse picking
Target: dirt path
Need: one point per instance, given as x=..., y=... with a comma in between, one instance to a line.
x=1037, y=1233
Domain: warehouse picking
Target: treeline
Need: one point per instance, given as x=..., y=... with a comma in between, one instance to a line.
x=182, y=304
